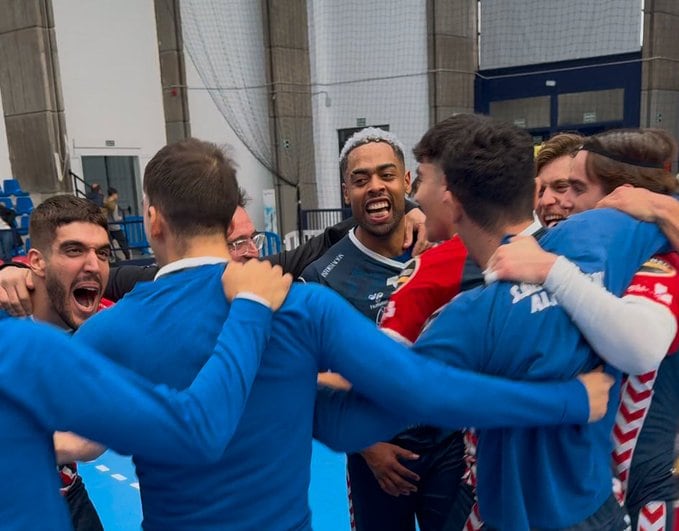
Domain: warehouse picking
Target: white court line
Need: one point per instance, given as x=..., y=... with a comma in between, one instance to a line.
x=119, y=477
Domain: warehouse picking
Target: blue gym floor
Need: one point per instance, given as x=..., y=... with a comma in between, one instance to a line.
x=113, y=488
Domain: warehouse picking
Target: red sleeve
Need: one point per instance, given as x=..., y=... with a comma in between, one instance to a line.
x=658, y=280
x=426, y=283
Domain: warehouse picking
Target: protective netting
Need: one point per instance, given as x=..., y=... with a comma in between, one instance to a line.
x=527, y=32
x=369, y=64
x=225, y=41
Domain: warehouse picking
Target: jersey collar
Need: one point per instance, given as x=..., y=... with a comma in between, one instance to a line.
x=186, y=263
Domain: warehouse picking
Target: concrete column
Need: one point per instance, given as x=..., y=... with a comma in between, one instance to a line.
x=172, y=70
x=291, y=119
x=30, y=85
x=452, y=56
x=660, y=70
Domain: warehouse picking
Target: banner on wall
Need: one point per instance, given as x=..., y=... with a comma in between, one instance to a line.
x=270, y=214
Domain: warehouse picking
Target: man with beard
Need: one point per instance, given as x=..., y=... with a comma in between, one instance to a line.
x=416, y=474
x=69, y=268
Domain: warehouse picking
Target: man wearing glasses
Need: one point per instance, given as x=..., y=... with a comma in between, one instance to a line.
x=244, y=241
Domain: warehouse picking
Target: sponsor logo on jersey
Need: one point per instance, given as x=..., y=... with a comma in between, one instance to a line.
x=387, y=312
x=397, y=281
x=376, y=297
x=377, y=300
x=661, y=293
x=657, y=267
x=326, y=271
x=539, y=298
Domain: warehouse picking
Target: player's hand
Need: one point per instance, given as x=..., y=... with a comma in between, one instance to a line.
x=16, y=284
x=520, y=260
x=598, y=385
x=259, y=278
x=414, y=228
x=384, y=462
x=637, y=202
x=333, y=380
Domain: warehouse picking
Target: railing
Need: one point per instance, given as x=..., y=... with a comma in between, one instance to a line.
x=79, y=185
x=291, y=239
x=133, y=228
x=322, y=218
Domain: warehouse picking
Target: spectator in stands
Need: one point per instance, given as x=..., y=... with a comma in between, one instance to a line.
x=7, y=232
x=113, y=216
x=96, y=195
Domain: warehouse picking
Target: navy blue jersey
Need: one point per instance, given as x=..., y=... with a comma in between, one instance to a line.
x=368, y=280
x=647, y=420
x=363, y=277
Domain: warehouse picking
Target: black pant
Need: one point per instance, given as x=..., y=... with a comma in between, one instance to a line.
x=439, y=468
x=83, y=514
x=462, y=508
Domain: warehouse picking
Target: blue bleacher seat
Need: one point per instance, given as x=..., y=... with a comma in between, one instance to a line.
x=7, y=202
x=12, y=187
x=24, y=205
x=22, y=224
x=133, y=226
x=272, y=244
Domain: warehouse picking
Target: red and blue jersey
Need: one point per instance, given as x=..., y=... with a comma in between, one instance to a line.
x=648, y=420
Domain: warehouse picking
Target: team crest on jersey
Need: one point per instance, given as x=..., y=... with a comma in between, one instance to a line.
x=408, y=272
x=657, y=267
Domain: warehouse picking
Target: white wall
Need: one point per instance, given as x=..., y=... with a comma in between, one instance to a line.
x=224, y=49
x=207, y=123
x=5, y=167
x=371, y=66
x=110, y=74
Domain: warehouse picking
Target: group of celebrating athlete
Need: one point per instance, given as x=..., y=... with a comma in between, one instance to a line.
x=521, y=376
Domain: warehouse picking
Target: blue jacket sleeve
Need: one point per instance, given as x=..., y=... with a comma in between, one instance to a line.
x=349, y=422
x=615, y=239
x=426, y=390
x=109, y=404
